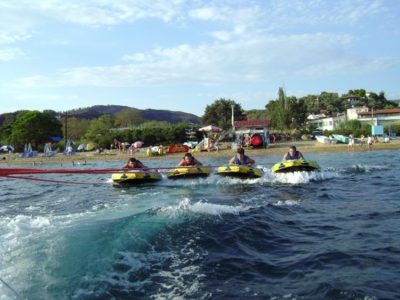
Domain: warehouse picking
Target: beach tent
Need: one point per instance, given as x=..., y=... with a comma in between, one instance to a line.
x=90, y=147
x=7, y=148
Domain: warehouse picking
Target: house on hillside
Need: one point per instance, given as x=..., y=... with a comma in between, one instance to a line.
x=253, y=133
x=380, y=116
x=353, y=100
x=352, y=113
x=327, y=122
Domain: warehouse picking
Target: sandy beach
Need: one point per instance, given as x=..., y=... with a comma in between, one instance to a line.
x=278, y=148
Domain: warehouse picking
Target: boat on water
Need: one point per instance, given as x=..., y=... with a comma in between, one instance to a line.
x=297, y=165
x=239, y=171
x=189, y=172
x=130, y=178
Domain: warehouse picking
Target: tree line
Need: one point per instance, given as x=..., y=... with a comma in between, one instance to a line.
x=286, y=114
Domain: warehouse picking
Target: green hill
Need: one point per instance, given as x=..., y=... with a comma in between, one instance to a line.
x=147, y=114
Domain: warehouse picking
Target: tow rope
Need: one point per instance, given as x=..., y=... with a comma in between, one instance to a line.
x=18, y=173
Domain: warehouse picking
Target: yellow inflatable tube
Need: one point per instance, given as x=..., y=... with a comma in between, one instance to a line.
x=135, y=177
x=297, y=165
x=240, y=171
x=189, y=172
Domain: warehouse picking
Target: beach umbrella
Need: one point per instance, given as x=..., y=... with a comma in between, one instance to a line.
x=138, y=144
x=210, y=128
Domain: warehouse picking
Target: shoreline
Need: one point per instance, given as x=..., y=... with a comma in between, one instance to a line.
x=114, y=155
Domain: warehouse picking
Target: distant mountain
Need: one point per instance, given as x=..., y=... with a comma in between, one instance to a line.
x=96, y=111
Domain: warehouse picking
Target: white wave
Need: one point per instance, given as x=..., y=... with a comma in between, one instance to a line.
x=236, y=181
x=25, y=225
x=286, y=203
x=201, y=208
x=302, y=177
x=367, y=168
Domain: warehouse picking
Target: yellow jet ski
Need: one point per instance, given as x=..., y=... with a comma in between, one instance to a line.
x=240, y=171
x=136, y=177
x=296, y=165
x=189, y=172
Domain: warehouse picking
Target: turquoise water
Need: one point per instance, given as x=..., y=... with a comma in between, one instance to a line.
x=328, y=235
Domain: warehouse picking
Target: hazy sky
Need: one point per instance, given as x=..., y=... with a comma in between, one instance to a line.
x=183, y=55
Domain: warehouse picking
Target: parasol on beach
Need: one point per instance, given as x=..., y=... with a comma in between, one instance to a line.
x=138, y=144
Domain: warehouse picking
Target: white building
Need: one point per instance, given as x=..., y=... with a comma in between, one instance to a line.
x=380, y=116
x=328, y=123
x=352, y=113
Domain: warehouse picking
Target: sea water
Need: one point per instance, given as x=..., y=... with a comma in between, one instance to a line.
x=333, y=234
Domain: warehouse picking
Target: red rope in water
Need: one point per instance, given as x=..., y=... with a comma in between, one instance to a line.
x=50, y=180
x=21, y=171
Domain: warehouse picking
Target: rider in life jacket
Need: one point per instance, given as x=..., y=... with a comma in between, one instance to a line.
x=241, y=159
x=293, y=154
x=189, y=161
x=134, y=163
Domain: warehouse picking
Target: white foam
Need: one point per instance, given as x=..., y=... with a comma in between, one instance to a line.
x=368, y=168
x=201, y=208
x=286, y=203
x=25, y=225
x=302, y=177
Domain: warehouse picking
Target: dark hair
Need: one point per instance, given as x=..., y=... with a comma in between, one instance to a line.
x=240, y=150
x=293, y=147
x=132, y=159
x=188, y=155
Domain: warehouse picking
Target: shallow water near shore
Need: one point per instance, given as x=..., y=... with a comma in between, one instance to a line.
x=333, y=234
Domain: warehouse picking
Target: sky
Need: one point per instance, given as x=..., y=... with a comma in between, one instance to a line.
x=183, y=55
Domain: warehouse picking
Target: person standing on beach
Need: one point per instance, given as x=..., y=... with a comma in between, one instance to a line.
x=351, y=142
x=293, y=154
x=369, y=142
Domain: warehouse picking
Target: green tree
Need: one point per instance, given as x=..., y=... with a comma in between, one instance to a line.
x=354, y=127
x=34, y=127
x=256, y=114
x=220, y=113
x=128, y=117
x=99, y=131
x=286, y=112
x=76, y=128
x=330, y=102
x=311, y=103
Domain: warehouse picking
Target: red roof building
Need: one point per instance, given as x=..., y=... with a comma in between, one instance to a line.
x=381, y=112
x=252, y=123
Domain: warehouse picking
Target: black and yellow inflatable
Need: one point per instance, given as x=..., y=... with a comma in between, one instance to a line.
x=189, y=172
x=239, y=171
x=297, y=165
x=136, y=177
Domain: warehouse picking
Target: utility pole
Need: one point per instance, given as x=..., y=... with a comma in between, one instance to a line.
x=66, y=129
x=233, y=116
